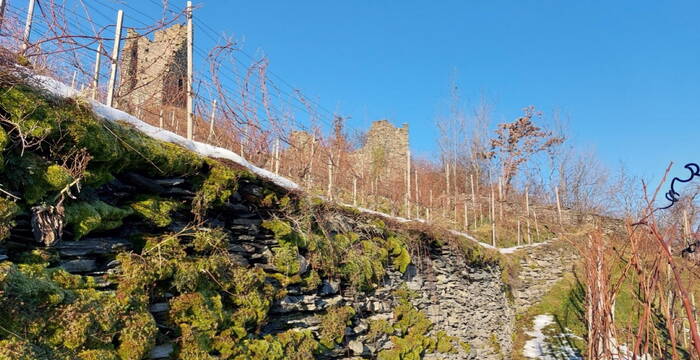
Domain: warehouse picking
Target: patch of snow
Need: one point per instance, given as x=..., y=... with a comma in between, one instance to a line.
x=112, y=114
x=539, y=348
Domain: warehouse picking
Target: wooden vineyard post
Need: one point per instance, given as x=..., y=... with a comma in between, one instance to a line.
x=27, y=25
x=354, y=191
x=190, y=82
x=556, y=193
x=493, y=218
x=527, y=214
x=500, y=198
x=115, y=59
x=408, y=184
x=96, y=72
x=330, y=179
x=212, y=118
x=471, y=178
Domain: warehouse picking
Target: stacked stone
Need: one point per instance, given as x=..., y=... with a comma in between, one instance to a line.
x=466, y=302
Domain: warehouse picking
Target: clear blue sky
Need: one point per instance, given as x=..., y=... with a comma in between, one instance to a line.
x=626, y=73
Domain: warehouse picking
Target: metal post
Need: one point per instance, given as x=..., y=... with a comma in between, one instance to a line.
x=28, y=26
x=211, y=120
x=115, y=58
x=190, y=100
x=96, y=73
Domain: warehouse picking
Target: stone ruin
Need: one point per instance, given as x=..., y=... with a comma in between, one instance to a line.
x=385, y=151
x=154, y=73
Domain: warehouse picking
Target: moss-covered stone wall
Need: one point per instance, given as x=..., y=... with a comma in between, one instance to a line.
x=163, y=254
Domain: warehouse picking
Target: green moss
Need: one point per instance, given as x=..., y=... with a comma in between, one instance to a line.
x=26, y=175
x=377, y=328
x=311, y=281
x=401, y=257
x=197, y=311
x=57, y=177
x=209, y=240
x=4, y=141
x=445, y=343
x=286, y=259
x=411, y=327
x=14, y=348
x=291, y=344
x=495, y=345
x=29, y=111
x=86, y=217
x=99, y=354
x=8, y=210
x=63, y=317
x=155, y=210
x=137, y=336
x=285, y=234
x=215, y=190
x=333, y=324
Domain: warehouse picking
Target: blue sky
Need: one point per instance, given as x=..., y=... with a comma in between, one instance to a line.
x=626, y=74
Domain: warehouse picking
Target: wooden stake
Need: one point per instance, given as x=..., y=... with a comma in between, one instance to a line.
x=278, y=159
x=27, y=26
x=408, y=184
x=190, y=82
x=354, y=191
x=527, y=214
x=500, y=198
x=493, y=218
x=330, y=178
x=96, y=72
x=556, y=193
x=466, y=216
x=211, y=119
x=471, y=180
x=447, y=178
x=115, y=59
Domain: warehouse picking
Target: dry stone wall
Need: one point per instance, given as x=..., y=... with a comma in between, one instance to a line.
x=466, y=302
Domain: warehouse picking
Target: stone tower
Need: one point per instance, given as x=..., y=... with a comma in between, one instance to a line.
x=386, y=149
x=154, y=73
